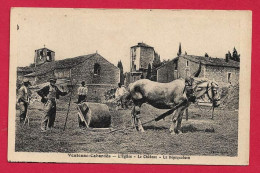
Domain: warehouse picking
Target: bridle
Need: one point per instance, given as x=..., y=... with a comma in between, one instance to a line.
x=190, y=90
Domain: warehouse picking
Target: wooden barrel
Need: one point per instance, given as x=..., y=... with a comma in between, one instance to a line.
x=97, y=115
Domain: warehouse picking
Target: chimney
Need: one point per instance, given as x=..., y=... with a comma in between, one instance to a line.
x=227, y=57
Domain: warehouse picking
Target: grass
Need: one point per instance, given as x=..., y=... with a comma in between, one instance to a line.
x=196, y=138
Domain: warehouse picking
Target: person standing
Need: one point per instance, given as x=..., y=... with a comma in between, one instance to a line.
x=82, y=96
x=49, y=95
x=23, y=99
x=119, y=95
x=82, y=92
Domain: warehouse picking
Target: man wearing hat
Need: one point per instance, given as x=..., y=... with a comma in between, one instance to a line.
x=23, y=99
x=49, y=95
x=82, y=96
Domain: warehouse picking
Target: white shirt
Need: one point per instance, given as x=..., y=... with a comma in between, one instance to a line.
x=82, y=90
x=120, y=92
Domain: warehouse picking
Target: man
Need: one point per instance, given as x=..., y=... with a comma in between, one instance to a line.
x=23, y=99
x=119, y=95
x=82, y=92
x=49, y=95
x=82, y=96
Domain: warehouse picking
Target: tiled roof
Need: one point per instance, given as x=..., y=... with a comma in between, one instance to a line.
x=142, y=45
x=61, y=64
x=25, y=69
x=212, y=61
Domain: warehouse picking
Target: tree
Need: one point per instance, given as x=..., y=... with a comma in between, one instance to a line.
x=122, y=77
x=156, y=61
x=236, y=56
x=179, y=52
x=229, y=55
x=206, y=54
x=149, y=72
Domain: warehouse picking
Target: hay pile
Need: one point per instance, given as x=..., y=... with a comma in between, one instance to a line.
x=231, y=97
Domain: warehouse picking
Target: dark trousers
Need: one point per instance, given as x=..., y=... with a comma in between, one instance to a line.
x=122, y=101
x=23, y=106
x=81, y=98
x=50, y=114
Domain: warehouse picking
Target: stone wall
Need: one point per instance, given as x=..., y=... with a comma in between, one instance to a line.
x=97, y=84
x=167, y=72
x=146, y=57
x=186, y=71
x=43, y=78
x=109, y=74
x=220, y=74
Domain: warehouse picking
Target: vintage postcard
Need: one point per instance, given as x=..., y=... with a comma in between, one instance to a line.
x=129, y=86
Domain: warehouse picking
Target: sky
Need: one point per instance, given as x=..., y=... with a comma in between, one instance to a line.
x=75, y=32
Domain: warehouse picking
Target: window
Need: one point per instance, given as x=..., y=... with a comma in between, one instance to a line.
x=97, y=69
x=229, y=77
x=187, y=63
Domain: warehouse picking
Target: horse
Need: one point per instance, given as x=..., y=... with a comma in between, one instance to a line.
x=168, y=95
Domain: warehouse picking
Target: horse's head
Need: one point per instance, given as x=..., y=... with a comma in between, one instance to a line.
x=203, y=87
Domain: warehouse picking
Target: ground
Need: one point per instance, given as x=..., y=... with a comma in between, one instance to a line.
x=198, y=137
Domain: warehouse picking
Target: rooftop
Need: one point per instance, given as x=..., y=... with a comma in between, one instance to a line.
x=207, y=61
x=174, y=59
x=212, y=61
x=142, y=45
x=60, y=64
x=25, y=69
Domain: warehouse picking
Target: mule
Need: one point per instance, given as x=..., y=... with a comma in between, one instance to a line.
x=168, y=95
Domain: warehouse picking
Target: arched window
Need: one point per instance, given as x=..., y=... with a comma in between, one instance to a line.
x=97, y=69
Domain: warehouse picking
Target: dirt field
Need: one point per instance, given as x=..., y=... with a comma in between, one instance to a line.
x=156, y=140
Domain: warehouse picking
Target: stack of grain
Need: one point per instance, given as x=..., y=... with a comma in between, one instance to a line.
x=231, y=97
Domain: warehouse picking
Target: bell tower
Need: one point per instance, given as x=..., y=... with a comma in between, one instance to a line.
x=43, y=55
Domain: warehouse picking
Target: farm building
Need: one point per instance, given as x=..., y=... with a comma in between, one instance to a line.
x=98, y=73
x=223, y=71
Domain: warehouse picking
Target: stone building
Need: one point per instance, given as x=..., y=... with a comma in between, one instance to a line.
x=168, y=71
x=223, y=71
x=141, y=56
x=43, y=55
x=99, y=74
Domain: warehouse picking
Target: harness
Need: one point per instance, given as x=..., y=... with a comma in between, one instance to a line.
x=214, y=101
x=189, y=90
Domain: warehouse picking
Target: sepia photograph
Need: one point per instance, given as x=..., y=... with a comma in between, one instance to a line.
x=129, y=86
